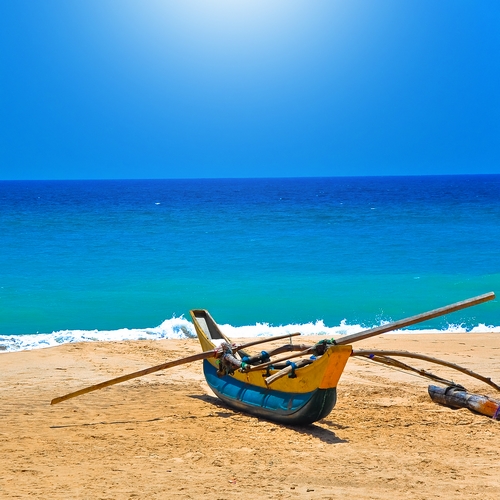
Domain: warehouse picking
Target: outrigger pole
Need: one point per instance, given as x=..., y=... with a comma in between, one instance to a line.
x=365, y=334
x=215, y=353
x=381, y=356
x=412, y=320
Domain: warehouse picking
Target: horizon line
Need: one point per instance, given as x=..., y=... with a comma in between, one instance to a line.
x=244, y=178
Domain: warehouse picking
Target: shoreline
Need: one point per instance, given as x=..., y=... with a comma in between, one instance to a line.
x=167, y=436
x=47, y=340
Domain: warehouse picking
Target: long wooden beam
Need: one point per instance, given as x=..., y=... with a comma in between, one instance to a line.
x=386, y=328
x=182, y=361
x=395, y=363
x=404, y=354
x=412, y=320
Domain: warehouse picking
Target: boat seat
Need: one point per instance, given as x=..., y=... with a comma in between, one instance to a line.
x=203, y=323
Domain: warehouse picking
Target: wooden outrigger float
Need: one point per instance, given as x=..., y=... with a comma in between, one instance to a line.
x=303, y=391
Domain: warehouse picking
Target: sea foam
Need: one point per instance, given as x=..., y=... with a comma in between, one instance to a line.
x=181, y=328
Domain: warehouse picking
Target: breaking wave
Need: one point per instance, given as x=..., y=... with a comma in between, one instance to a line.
x=181, y=328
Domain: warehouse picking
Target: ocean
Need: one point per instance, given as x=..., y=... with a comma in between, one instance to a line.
x=127, y=259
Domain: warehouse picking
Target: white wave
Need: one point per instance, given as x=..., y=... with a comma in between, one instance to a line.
x=265, y=329
x=181, y=328
x=174, y=328
x=453, y=328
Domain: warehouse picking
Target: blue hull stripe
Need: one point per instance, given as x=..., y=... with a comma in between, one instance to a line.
x=261, y=401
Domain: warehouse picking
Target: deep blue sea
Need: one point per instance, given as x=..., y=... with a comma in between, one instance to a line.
x=91, y=260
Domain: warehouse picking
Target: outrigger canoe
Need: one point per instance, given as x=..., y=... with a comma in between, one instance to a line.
x=308, y=392
x=303, y=391
x=305, y=397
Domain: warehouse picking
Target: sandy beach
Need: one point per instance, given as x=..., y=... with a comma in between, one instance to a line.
x=166, y=435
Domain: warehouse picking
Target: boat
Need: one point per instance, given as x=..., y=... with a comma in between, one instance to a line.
x=308, y=394
x=303, y=391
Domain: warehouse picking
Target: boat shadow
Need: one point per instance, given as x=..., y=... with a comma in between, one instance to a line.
x=314, y=430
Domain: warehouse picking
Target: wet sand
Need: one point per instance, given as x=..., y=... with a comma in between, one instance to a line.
x=167, y=436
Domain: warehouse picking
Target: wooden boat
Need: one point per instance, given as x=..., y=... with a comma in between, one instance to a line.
x=307, y=397
x=309, y=392
x=306, y=391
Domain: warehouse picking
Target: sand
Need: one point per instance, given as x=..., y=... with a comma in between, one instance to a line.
x=166, y=436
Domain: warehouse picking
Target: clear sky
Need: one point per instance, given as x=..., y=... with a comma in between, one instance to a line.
x=248, y=88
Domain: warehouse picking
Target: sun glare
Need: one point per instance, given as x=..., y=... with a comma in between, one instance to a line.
x=211, y=23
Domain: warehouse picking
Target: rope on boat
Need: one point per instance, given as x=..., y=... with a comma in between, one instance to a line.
x=322, y=346
x=227, y=362
x=257, y=363
x=263, y=357
x=293, y=366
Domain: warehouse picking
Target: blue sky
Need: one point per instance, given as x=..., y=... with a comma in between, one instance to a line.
x=248, y=88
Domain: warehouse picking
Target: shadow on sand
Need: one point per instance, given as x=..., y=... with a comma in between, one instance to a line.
x=314, y=430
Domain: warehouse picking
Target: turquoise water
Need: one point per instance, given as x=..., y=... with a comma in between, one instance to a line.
x=90, y=259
